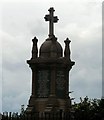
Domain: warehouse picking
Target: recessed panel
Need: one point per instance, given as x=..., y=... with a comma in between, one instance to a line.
x=43, y=83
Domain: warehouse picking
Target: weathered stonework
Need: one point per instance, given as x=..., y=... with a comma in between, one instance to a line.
x=50, y=73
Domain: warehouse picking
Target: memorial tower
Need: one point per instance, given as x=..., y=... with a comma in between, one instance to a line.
x=50, y=72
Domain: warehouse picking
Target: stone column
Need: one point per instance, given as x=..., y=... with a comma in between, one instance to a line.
x=32, y=97
x=33, y=80
x=67, y=82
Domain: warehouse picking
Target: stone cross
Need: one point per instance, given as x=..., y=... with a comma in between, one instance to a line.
x=52, y=19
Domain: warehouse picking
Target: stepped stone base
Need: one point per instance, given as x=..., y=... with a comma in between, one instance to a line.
x=48, y=105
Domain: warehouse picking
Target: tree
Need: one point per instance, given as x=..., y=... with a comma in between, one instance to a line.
x=89, y=109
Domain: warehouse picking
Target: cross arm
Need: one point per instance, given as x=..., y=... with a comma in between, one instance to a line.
x=47, y=18
x=55, y=19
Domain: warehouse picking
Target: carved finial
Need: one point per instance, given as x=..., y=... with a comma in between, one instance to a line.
x=34, y=48
x=52, y=19
x=67, y=48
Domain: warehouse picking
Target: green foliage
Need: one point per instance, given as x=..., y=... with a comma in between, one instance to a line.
x=86, y=109
x=89, y=109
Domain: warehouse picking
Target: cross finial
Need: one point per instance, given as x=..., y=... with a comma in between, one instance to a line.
x=52, y=19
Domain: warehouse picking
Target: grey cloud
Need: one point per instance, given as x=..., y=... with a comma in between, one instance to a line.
x=81, y=26
x=38, y=28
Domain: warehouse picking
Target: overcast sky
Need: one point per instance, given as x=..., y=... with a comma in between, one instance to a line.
x=80, y=21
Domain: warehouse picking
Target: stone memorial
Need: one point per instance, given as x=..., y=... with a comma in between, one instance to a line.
x=50, y=72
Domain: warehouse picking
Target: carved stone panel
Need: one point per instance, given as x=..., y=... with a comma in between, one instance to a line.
x=43, y=84
x=60, y=84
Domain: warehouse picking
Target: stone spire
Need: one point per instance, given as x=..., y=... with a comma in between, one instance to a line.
x=67, y=49
x=34, y=48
